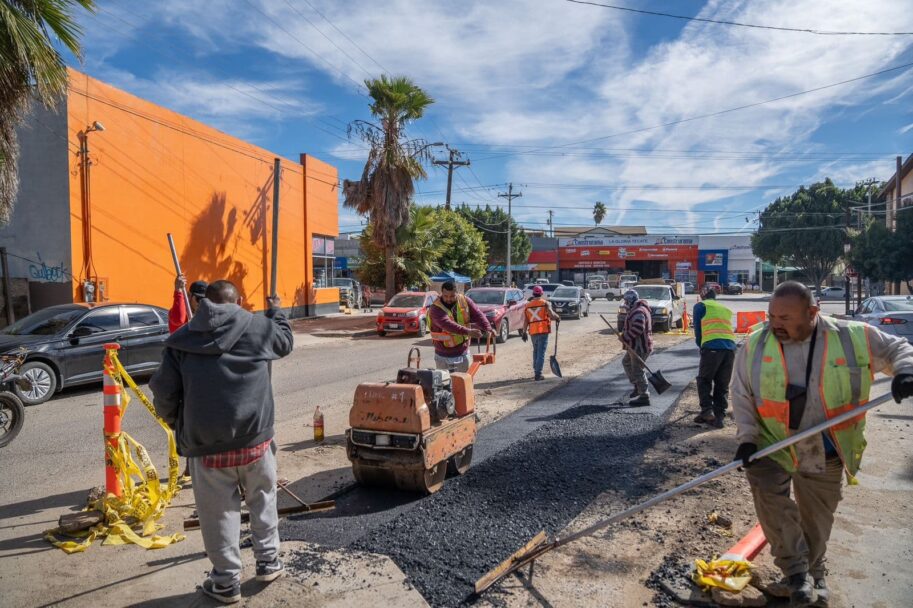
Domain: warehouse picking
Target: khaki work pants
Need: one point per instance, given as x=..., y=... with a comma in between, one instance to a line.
x=798, y=530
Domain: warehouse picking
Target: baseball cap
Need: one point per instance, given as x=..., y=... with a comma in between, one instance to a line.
x=198, y=289
x=537, y=291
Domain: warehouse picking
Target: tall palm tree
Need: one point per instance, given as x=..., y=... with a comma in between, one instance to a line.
x=599, y=212
x=385, y=190
x=30, y=66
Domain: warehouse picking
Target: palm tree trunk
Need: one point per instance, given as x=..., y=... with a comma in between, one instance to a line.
x=390, y=272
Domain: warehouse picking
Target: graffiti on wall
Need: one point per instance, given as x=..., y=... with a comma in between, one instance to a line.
x=41, y=271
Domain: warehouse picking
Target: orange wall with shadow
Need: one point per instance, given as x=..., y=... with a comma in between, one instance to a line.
x=154, y=171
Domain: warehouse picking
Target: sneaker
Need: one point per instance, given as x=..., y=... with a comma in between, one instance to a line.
x=539, y=377
x=703, y=418
x=633, y=394
x=822, y=593
x=640, y=400
x=270, y=571
x=800, y=590
x=227, y=595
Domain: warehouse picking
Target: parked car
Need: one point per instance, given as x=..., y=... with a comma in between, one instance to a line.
x=689, y=287
x=65, y=344
x=890, y=314
x=568, y=283
x=716, y=286
x=666, y=308
x=734, y=289
x=547, y=289
x=350, y=292
x=406, y=312
x=832, y=293
x=503, y=306
x=570, y=302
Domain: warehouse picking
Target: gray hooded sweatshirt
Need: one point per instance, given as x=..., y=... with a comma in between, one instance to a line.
x=213, y=387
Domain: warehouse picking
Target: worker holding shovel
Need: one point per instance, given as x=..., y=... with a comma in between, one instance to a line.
x=637, y=339
x=537, y=323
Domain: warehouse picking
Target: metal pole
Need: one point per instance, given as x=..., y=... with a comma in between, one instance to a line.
x=510, y=199
x=449, y=179
x=7, y=288
x=177, y=270
x=277, y=168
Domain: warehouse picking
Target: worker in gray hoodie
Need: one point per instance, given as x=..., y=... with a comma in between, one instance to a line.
x=213, y=388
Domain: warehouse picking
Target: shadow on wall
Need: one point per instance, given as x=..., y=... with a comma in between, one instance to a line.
x=206, y=256
x=299, y=304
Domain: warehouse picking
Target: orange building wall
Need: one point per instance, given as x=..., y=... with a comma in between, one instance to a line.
x=155, y=171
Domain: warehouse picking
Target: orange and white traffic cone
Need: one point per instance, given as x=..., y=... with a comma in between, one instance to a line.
x=112, y=430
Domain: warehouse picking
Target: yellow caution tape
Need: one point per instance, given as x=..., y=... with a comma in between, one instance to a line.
x=131, y=519
x=729, y=574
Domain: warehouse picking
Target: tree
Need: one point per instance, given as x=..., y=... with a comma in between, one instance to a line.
x=493, y=223
x=599, y=212
x=384, y=192
x=882, y=255
x=30, y=67
x=465, y=251
x=805, y=229
x=419, y=247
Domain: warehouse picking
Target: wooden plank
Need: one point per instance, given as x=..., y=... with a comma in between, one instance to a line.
x=74, y=522
x=507, y=565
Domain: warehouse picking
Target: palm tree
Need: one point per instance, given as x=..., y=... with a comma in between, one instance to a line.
x=30, y=67
x=599, y=212
x=384, y=192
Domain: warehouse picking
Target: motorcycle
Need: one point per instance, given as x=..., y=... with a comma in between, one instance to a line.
x=12, y=412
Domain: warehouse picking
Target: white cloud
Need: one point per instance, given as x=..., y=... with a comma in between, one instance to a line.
x=905, y=128
x=350, y=150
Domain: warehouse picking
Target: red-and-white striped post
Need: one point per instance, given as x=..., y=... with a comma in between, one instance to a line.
x=112, y=422
x=748, y=547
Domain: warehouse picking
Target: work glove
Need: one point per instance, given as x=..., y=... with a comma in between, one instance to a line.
x=524, y=336
x=902, y=387
x=744, y=452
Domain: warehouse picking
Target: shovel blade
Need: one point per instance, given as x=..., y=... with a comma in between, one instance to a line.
x=659, y=383
x=553, y=363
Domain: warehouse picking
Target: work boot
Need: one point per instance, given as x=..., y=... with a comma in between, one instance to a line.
x=822, y=593
x=800, y=589
x=539, y=377
x=704, y=418
x=640, y=400
x=717, y=422
x=633, y=394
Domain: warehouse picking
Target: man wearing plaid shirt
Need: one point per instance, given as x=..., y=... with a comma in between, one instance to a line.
x=213, y=388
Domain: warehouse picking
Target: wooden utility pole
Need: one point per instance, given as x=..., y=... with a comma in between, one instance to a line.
x=510, y=196
x=450, y=163
x=274, y=265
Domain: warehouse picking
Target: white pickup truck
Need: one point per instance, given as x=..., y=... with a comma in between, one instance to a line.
x=604, y=289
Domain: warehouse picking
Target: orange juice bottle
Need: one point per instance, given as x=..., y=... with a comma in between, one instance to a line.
x=318, y=425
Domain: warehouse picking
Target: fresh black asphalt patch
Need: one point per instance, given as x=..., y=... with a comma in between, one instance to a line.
x=535, y=469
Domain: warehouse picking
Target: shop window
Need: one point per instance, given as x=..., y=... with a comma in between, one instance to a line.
x=323, y=260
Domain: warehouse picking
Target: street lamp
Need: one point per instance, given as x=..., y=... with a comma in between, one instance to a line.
x=89, y=287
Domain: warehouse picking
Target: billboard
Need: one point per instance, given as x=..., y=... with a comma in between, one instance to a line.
x=628, y=241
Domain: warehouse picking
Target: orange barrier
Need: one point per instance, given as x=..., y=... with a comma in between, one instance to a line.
x=746, y=320
x=111, y=393
x=749, y=547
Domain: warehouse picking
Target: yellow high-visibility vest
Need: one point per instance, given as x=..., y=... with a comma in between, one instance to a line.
x=716, y=324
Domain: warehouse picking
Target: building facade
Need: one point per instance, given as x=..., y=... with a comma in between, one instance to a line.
x=107, y=177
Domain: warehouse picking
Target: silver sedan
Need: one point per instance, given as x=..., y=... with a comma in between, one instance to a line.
x=890, y=314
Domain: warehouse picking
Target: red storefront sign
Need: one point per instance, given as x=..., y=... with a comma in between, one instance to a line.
x=615, y=256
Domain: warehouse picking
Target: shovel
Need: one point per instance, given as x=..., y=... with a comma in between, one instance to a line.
x=656, y=378
x=553, y=360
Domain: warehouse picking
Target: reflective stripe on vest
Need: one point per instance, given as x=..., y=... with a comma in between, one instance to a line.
x=459, y=313
x=845, y=382
x=716, y=324
x=537, y=316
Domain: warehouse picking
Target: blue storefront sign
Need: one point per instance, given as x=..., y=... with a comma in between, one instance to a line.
x=341, y=263
x=714, y=260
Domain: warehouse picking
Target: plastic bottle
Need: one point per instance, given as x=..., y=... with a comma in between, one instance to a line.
x=318, y=425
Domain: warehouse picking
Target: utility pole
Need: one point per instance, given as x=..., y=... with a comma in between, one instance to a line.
x=846, y=261
x=551, y=230
x=510, y=196
x=450, y=164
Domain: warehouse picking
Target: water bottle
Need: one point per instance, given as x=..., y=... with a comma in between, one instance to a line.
x=318, y=425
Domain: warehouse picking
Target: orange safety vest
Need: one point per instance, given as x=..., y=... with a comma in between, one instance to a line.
x=537, y=316
x=460, y=314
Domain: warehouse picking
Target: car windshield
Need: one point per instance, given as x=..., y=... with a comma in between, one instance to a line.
x=652, y=292
x=480, y=296
x=898, y=305
x=407, y=300
x=549, y=287
x=45, y=322
x=565, y=292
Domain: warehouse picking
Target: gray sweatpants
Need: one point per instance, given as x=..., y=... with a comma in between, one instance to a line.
x=636, y=372
x=219, y=508
x=797, y=530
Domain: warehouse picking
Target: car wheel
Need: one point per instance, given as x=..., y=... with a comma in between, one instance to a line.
x=663, y=327
x=579, y=314
x=680, y=323
x=43, y=383
x=381, y=333
x=503, y=332
x=422, y=327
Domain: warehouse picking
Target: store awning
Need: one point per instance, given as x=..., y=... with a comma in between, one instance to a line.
x=515, y=268
x=443, y=277
x=770, y=268
x=546, y=267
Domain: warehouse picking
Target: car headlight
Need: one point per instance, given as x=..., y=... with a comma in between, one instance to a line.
x=660, y=310
x=412, y=314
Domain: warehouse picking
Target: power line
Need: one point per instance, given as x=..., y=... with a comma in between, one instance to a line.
x=738, y=24
x=343, y=34
x=331, y=41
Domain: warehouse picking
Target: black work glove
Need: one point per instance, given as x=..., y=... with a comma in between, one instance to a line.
x=744, y=452
x=524, y=336
x=902, y=387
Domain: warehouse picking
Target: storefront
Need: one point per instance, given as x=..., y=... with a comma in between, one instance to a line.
x=731, y=259
x=649, y=256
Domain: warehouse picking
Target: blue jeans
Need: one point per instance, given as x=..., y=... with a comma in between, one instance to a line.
x=540, y=344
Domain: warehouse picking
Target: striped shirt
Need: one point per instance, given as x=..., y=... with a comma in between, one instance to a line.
x=236, y=458
x=638, y=329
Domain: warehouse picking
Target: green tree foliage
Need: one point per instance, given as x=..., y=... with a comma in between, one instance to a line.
x=30, y=67
x=599, y=212
x=805, y=229
x=384, y=192
x=493, y=223
x=466, y=251
x=882, y=255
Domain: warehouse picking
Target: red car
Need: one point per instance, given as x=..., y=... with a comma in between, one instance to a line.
x=716, y=286
x=406, y=312
x=503, y=306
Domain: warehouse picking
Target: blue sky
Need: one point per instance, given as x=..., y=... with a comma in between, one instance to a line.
x=518, y=84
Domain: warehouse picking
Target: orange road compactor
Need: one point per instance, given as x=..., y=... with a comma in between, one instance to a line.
x=410, y=433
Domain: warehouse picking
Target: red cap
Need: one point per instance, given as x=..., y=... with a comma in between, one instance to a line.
x=537, y=291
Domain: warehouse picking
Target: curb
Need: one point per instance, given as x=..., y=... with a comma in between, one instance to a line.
x=341, y=334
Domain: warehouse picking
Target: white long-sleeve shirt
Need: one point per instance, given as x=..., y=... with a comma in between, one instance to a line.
x=890, y=354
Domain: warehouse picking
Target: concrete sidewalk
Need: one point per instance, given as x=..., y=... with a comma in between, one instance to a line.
x=337, y=325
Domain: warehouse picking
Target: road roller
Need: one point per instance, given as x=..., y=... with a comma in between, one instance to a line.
x=414, y=432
